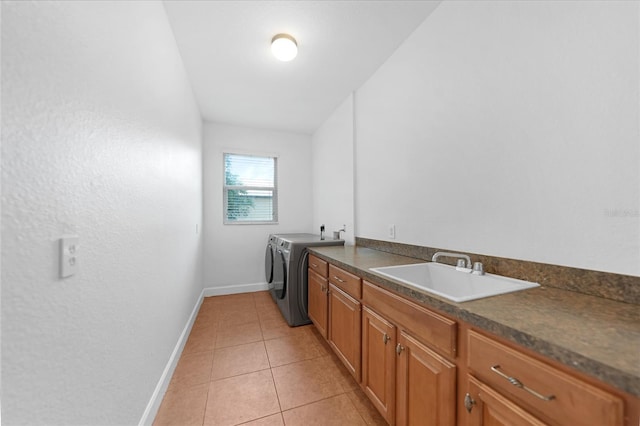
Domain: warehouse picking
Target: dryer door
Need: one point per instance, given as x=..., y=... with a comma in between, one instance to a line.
x=279, y=275
x=268, y=265
x=303, y=285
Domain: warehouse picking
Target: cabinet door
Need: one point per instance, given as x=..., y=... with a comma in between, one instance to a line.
x=426, y=385
x=344, y=329
x=379, y=362
x=486, y=407
x=318, y=288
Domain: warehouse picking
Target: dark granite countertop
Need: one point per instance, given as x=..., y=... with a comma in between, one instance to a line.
x=599, y=337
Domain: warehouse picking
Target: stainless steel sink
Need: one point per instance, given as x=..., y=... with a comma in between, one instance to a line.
x=446, y=281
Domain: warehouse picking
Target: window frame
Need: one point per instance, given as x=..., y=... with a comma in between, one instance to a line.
x=226, y=188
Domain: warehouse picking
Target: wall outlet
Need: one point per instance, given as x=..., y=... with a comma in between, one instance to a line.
x=69, y=245
x=392, y=232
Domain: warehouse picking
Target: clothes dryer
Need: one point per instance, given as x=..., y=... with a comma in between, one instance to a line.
x=289, y=284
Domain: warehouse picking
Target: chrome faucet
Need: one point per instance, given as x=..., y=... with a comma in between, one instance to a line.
x=461, y=265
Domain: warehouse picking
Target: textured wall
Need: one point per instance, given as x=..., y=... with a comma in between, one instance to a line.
x=508, y=129
x=101, y=138
x=234, y=254
x=332, y=161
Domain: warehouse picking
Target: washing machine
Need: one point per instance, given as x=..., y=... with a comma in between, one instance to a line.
x=286, y=262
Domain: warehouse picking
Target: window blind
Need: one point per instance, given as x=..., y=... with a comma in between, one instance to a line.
x=250, y=190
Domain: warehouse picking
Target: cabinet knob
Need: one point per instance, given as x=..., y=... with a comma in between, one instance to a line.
x=468, y=402
x=399, y=348
x=385, y=338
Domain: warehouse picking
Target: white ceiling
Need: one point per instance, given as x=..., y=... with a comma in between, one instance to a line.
x=225, y=46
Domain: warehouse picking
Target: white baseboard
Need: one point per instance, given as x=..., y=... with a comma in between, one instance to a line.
x=156, y=398
x=234, y=289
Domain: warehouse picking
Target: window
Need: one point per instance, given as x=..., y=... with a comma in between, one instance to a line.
x=250, y=191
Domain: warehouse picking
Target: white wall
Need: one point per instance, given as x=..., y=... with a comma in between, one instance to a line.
x=332, y=166
x=234, y=254
x=101, y=137
x=508, y=129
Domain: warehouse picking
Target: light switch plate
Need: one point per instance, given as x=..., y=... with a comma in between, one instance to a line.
x=69, y=245
x=392, y=232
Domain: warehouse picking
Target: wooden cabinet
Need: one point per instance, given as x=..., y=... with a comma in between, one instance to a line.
x=334, y=308
x=317, y=293
x=489, y=408
x=425, y=385
x=379, y=362
x=318, y=304
x=532, y=387
x=344, y=328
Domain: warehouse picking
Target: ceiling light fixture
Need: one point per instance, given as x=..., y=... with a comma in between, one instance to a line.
x=284, y=47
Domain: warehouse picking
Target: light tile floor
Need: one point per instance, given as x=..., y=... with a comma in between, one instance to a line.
x=243, y=364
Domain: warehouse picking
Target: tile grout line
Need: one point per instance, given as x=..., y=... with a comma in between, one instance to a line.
x=275, y=388
x=270, y=365
x=277, y=394
x=213, y=357
x=204, y=414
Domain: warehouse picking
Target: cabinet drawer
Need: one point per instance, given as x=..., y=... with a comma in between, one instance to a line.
x=319, y=266
x=347, y=282
x=435, y=330
x=561, y=399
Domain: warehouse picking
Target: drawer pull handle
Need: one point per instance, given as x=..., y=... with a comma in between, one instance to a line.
x=313, y=265
x=517, y=383
x=338, y=279
x=399, y=348
x=385, y=338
